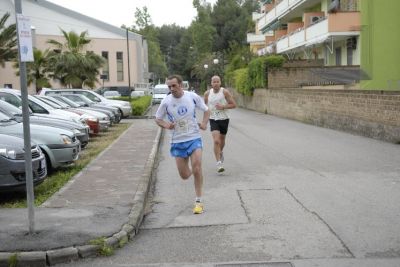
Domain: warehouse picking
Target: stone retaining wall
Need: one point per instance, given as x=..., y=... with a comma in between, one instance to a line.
x=374, y=114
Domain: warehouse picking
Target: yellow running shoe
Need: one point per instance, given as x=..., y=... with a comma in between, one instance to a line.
x=198, y=208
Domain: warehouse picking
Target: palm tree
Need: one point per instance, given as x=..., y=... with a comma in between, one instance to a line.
x=8, y=41
x=38, y=71
x=71, y=64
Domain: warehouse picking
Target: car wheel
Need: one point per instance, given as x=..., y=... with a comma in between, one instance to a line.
x=120, y=114
x=48, y=162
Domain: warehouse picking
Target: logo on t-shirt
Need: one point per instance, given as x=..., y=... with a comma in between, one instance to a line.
x=182, y=110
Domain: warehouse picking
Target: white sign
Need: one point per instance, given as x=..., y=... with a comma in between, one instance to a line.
x=24, y=38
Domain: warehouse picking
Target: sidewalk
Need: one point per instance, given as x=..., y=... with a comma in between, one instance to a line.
x=106, y=199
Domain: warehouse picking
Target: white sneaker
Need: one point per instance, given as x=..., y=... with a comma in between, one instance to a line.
x=220, y=168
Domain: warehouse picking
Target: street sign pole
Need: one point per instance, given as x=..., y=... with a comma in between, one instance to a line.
x=25, y=54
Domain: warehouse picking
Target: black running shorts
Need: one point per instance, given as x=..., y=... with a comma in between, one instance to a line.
x=219, y=125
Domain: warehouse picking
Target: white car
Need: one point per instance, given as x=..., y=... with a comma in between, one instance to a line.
x=160, y=91
x=124, y=107
x=37, y=106
x=137, y=94
x=111, y=94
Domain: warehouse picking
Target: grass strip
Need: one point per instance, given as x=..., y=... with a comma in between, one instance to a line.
x=57, y=179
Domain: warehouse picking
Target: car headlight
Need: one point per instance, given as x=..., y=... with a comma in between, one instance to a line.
x=8, y=153
x=40, y=150
x=76, y=131
x=66, y=139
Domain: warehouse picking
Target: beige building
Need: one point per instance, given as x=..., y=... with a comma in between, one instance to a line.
x=108, y=41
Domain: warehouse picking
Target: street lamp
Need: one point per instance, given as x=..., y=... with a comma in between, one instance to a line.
x=205, y=75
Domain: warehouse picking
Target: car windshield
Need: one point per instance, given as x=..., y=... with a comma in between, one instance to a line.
x=79, y=98
x=67, y=101
x=38, y=102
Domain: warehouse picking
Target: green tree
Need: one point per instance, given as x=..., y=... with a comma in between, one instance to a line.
x=71, y=64
x=8, y=41
x=38, y=71
x=156, y=59
x=231, y=21
x=169, y=38
x=202, y=30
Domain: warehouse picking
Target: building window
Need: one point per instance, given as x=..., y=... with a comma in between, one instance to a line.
x=120, y=66
x=106, y=68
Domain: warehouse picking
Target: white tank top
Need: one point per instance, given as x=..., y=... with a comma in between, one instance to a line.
x=213, y=99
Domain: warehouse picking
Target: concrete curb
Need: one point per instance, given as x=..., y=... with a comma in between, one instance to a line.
x=117, y=240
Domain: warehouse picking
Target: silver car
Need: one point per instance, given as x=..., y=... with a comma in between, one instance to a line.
x=60, y=146
x=124, y=107
x=81, y=131
x=12, y=164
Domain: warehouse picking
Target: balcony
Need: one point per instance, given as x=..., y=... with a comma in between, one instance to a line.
x=339, y=25
x=256, y=16
x=288, y=9
x=255, y=38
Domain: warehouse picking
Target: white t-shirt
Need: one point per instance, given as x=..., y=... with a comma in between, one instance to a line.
x=182, y=111
x=215, y=98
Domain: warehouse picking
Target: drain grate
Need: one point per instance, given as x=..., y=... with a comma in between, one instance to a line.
x=266, y=264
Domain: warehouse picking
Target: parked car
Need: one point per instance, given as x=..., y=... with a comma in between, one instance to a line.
x=111, y=94
x=81, y=131
x=160, y=91
x=83, y=101
x=102, y=118
x=135, y=94
x=122, y=90
x=12, y=164
x=13, y=97
x=60, y=146
x=37, y=106
x=124, y=107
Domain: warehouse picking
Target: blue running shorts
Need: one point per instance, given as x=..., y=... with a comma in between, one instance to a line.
x=185, y=149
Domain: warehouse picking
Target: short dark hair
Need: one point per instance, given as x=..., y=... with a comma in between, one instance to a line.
x=177, y=77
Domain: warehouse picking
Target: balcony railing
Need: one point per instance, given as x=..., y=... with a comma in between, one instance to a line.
x=280, y=9
x=255, y=38
x=319, y=32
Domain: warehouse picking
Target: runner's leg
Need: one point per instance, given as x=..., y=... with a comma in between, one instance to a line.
x=195, y=159
x=217, y=144
x=183, y=167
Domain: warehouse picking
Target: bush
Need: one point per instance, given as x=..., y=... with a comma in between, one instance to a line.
x=139, y=104
x=245, y=80
x=242, y=84
x=258, y=73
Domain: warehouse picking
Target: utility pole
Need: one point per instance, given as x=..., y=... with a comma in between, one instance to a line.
x=25, y=54
x=129, y=69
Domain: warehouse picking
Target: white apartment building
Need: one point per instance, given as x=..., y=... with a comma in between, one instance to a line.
x=310, y=29
x=111, y=42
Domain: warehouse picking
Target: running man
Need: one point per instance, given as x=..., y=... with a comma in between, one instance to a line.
x=177, y=112
x=219, y=100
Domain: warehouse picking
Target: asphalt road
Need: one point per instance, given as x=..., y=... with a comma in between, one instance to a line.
x=292, y=195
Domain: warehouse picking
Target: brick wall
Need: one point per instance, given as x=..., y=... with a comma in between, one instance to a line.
x=292, y=76
x=374, y=114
